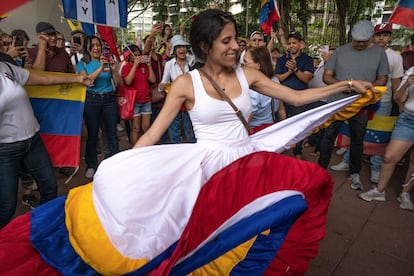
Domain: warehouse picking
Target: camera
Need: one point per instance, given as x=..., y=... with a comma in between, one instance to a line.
x=18, y=41
x=145, y=59
x=106, y=52
x=76, y=39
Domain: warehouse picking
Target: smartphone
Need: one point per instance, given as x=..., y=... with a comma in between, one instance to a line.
x=275, y=26
x=145, y=58
x=106, y=52
x=19, y=41
x=77, y=40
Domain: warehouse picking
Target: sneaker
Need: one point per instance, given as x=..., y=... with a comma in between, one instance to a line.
x=90, y=172
x=374, y=176
x=341, y=167
x=341, y=151
x=119, y=127
x=355, y=181
x=405, y=201
x=30, y=200
x=373, y=194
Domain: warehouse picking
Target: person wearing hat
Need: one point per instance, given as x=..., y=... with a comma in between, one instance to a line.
x=382, y=36
x=45, y=55
x=175, y=67
x=359, y=59
x=256, y=39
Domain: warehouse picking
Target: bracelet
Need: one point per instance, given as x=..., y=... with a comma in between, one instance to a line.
x=296, y=69
x=351, y=87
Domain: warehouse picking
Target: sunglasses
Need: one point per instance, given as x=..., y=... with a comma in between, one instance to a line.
x=7, y=43
x=257, y=39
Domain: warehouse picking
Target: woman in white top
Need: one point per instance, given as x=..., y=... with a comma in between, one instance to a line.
x=402, y=139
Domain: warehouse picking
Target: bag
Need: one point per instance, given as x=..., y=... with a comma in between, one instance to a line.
x=126, y=101
x=156, y=95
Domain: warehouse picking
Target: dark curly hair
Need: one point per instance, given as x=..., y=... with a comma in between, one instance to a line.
x=205, y=28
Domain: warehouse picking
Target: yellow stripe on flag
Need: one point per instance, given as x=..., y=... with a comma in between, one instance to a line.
x=382, y=123
x=68, y=91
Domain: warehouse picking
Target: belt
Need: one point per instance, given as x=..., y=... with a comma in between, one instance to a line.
x=408, y=111
x=106, y=94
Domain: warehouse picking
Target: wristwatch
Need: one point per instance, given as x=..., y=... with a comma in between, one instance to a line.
x=297, y=69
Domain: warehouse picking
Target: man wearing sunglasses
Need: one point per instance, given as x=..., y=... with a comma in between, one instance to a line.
x=256, y=39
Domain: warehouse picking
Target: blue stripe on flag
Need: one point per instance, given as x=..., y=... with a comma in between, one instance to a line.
x=99, y=12
x=371, y=136
x=406, y=4
x=59, y=117
x=113, y=13
x=69, y=9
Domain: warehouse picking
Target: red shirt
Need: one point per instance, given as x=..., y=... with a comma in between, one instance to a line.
x=139, y=82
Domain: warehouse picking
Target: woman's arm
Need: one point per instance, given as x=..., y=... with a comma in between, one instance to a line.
x=264, y=85
x=38, y=79
x=400, y=96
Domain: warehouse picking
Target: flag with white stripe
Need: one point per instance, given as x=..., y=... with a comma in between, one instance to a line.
x=112, y=13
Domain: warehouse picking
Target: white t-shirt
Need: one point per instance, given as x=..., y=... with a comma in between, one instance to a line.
x=17, y=121
x=395, y=64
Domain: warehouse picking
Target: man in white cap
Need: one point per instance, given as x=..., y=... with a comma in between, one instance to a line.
x=175, y=67
x=359, y=59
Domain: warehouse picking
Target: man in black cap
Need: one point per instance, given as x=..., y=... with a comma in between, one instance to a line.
x=45, y=55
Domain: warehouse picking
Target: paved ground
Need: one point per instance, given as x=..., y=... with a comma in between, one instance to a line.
x=362, y=238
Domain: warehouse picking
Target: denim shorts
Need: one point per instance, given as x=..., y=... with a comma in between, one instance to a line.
x=142, y=108
x=404, y=128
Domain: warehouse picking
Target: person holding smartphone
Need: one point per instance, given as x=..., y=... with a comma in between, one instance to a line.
x=137, y=73
x=101, y=109
x=75, y=50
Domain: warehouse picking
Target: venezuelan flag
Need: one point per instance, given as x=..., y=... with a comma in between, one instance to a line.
x=376, y=138
x=269, y=12
x=59, y=110
x=403, y=14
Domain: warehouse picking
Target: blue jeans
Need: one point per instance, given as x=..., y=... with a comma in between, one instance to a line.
x=384, y=110
x=31, y=155
x=181, y=121
x=357, y=126
x=100, y=109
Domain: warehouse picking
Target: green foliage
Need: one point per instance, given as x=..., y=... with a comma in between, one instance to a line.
x=341, y=15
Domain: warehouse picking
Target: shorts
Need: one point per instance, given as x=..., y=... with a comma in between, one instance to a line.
x=142, y=109
x=404, y=128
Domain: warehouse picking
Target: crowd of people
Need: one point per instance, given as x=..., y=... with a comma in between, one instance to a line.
x=166, y=57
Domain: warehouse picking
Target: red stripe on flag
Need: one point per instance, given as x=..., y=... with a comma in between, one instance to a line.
x=64, y=151
x=403, y=16
x=10, y=5
x=107, y=33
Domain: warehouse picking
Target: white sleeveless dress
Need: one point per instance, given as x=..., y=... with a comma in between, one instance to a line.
x=140, y=193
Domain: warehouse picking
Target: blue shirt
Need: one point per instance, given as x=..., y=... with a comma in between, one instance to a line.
x=303, y=63
x=103, y=83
